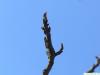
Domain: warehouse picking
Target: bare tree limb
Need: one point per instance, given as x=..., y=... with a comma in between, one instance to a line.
x=60, y=51
x=48, y=44
x=92, y=69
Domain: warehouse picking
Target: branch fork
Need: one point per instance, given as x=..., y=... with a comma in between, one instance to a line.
x=97, y=64
x=48, y=44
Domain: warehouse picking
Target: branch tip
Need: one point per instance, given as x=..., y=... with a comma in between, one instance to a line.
x=60, y=51
x=98, y=60
x=45, y=14
x=92, y=69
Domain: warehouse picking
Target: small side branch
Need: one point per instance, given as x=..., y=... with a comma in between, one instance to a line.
x=48, y=44
x=92, y=69
x=60, y=51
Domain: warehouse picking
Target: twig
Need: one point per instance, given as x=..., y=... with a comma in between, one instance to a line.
x=92, y=69
x=48, y=44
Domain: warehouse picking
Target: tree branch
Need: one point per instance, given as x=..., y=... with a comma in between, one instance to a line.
x=92, y=69
x=48, y=44
x=60, y=51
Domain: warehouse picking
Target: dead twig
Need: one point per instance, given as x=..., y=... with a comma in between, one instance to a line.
x=92, y=69
x=48, y=44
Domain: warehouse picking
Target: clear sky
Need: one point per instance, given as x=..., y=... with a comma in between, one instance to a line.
x=75, y=23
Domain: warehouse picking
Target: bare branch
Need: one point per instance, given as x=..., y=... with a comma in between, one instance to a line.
x=60, y=51
x=92, y=69
x=48, y=44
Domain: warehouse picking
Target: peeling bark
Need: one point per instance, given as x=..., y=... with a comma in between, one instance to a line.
x=48, y=44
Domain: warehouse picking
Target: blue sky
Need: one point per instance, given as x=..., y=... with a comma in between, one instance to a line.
x=73, y=22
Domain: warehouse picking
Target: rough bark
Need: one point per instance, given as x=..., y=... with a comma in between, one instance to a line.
x=48, y=44
x=92, y=69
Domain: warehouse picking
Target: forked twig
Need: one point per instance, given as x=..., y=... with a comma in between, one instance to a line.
x=92, y=69
x=48, y=44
